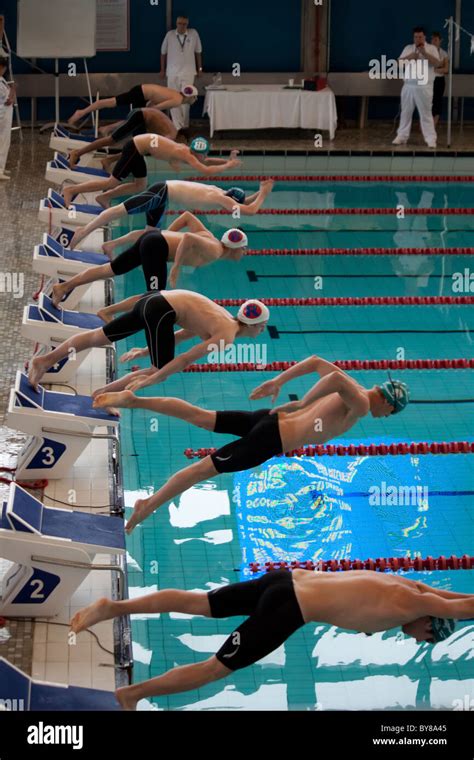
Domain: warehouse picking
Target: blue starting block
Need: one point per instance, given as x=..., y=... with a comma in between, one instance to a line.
x=21, y=692
x=63, y=140
x=60, y=426
x=53, y=209
x=92, y=242
x=50, y=552
x=60, y=171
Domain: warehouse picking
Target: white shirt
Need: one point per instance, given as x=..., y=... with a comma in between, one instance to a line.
x=181, y=49
x=4, y=93
x=419, y=71
x=442, y=55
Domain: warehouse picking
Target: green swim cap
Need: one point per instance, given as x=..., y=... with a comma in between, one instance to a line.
x=200, y=145
x=396, y=393
x=442, y=628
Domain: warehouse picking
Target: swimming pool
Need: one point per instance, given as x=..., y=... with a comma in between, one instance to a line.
x=308, y=508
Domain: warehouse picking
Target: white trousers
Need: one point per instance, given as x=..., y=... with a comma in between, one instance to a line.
x=6, y=120
x=419, y=97
x=180, y=115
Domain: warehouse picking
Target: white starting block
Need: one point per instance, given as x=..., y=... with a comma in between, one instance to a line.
x=59, y=171
x=53, y=209
x=45, y=324
x=64, y=140
x=93, y=242
x=50, y=552
x=60, y=426
x=60, y=264
x=20, y=692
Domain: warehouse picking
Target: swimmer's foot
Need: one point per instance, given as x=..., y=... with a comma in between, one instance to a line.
x=103, y=201
x=103, y=315
x=108, y=248
x=73, y=157
x=59, y=291
x=68, y=194
x=125, y=699
x=37, y=368
x=102, y=609
x=122, y=399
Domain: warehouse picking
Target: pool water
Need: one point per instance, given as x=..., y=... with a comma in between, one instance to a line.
x=304, y=508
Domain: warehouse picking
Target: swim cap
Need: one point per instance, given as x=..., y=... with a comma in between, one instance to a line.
x=396, y=393
x=442, y=628
x=234, y=238
x=253, y=313
x=189, y=91
x=200, y=145
x=237, y=194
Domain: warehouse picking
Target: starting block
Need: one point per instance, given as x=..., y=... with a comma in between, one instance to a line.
x=60, y=426
x=59, y=171
x=20, y=692
x=64, y=140
x=49, y=553
x=92, y=242
x=49, y=326
x=60, y=264
x=53, y=209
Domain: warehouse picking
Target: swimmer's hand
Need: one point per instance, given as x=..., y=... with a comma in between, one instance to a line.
x=134, y=353
x=139, y=514
x=233, y=162
x=234, y=153
x=291, y=406
x=268, y=388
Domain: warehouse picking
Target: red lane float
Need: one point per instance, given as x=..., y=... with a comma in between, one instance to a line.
x=439, y=179
x=361, y=252
x=349, y=364
x=381, y=564
x=337, y=212
x=351, y=301
x=361, y=449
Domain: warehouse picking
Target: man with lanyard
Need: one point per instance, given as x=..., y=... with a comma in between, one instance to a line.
x=181, y=61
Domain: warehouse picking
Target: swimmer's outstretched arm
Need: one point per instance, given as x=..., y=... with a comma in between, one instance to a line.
x=187, y=219
x=104, y=218
x=254, y=202
x=304, y=367
x=209, y=170
x=351, y=393
x=425, y=589
x=436, y=606
x=196, y=250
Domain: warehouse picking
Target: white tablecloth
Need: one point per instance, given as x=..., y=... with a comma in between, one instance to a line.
x=266, y=106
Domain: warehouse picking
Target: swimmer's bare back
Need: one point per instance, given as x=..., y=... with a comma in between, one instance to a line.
x=157, y=93
x=159, y=123
x=195, y=194
x=321, y=421
x=174, y=239
x=358, y=600
x=200, y=315
x=160, y=147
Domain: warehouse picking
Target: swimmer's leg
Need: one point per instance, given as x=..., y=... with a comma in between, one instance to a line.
x=89, y=339
x=97, y=106
x=176, y=485
x=182, y=678
x=125, y=188
x=88, y=187
x=130, y=237
x=106, y=216
x=89, y=275
x=172, y=407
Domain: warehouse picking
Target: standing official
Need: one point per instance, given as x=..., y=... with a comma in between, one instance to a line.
x=181, y=61
x=7, y=98
x=419, y=59
x=440, y=77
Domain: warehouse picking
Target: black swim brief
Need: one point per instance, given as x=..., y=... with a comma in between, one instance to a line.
x=153, y=201
x=133, y=98
x=130, y=162
x=151, y=253
x=133, y=125
x=273, y=615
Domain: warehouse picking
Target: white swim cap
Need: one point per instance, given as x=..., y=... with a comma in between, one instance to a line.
x=234, y=238
x=189, y=91
x=253, y=313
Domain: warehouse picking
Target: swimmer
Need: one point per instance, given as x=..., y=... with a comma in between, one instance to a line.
x=155, y=95
x=132, y=161
x=194, y=247
x=156, y=314
x=140, y=121
x=276, y=605
x=336, y=401
x=154, y=201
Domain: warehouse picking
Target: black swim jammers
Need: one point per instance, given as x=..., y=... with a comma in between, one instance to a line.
x=153, y=202
x=151, y=253
x=153, y=314
x=133, y=98
x=259, y=440
x=274, y=614
x=130, y=162
x=133, y=125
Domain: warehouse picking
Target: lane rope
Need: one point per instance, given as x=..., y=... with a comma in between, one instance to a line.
x=381, y=564
x=362, y=449
x=348, y=364
x=464, y=251
x=352, y=301
x=336, y=211
x=393, y=178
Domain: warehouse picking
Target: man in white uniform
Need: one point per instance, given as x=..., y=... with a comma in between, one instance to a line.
x=181, y=61
x=7, y=97
x=420, y=58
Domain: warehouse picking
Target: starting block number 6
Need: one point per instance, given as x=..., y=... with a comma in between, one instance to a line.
x=64, y=240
